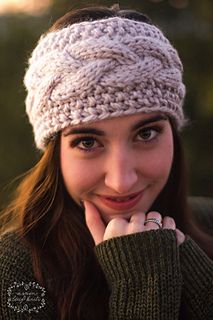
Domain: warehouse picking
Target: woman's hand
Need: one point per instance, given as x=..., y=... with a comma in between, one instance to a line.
x=120, y=227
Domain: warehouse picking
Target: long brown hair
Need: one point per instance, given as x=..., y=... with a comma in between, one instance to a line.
x=54, y=226
x=61, y=246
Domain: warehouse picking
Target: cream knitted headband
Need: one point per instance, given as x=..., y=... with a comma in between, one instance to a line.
x=100, y=69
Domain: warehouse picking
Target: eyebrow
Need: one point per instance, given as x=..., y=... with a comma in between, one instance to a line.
x=90, y=130
x=79, y=130
x=144, y=122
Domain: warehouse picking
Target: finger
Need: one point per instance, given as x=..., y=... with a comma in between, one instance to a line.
x=138, y=218
x=180, y=236
x=94, y=222
x=168, y=223
x=136, y=223
x=116, y=227
x=153, y=225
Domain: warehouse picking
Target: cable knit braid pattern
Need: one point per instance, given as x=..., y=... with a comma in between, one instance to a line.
x=95, y=70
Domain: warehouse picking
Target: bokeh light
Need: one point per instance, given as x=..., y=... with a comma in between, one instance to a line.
x=27, y=6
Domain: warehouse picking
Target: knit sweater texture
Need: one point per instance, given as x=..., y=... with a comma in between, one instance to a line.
x=148, y=275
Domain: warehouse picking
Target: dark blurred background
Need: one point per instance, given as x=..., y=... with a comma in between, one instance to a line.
x=189, y=26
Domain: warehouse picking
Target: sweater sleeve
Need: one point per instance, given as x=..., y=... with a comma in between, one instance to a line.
x=143, y=272
x=21, y=297
x=197, y=272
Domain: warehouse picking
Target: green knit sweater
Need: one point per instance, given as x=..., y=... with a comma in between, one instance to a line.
x=148, y=275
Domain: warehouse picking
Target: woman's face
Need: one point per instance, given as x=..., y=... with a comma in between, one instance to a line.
x=120, y=165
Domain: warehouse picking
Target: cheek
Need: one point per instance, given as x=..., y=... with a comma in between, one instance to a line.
x=159, y=162
x=78, y=176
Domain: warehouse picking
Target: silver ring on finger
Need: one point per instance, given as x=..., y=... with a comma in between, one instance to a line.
x=154, y=220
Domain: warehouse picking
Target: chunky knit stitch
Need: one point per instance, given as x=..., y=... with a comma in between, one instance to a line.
x=95, y=70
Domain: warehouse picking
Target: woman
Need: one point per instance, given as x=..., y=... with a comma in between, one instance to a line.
x=101, y=221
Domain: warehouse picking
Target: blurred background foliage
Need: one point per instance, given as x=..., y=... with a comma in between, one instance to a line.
x=189, y=26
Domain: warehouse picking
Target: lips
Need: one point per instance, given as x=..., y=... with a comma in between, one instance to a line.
x=121, y=203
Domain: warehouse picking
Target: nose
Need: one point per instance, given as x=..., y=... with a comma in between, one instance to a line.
x=121, y=172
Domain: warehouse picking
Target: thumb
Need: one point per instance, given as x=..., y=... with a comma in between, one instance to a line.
x=94, y=222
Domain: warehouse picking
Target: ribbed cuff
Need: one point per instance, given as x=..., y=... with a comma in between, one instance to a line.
x=138, y=255
x=143, y=272
x=197, y=272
